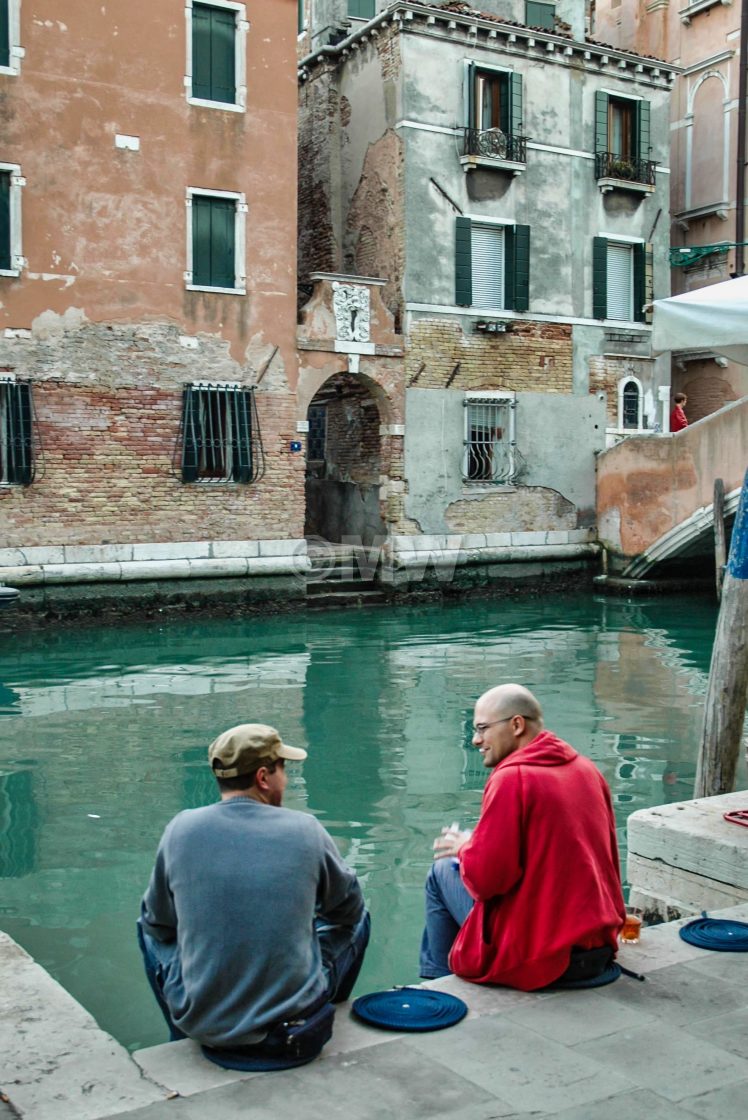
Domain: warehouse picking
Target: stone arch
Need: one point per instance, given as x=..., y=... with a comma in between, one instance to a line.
x=625, y=385
x=348, y=456
x=706, y=150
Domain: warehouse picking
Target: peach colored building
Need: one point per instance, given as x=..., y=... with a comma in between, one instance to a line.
x=703, y=38
x=148, y=358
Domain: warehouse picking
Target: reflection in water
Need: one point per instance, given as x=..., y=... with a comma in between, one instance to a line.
x=115, y=725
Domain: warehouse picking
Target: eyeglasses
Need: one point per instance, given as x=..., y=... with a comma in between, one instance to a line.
x=482, y=728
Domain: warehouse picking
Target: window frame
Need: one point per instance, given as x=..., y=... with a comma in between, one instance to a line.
x=8, y=381
x=627, y=379
x=629, y=318
x=15, y=225
x=15, y=51
x=240, y=223
x=241, y=29
x=641, y=277
x=487, y=397
x=247, y=457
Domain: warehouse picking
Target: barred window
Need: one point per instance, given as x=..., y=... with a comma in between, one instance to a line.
x=220, y=435
x=631, y=405
x=17, y=458
x=489, y=439
x=316, y=440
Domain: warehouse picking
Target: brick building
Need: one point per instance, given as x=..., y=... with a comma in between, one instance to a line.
x=504, y=177
x=148, y=359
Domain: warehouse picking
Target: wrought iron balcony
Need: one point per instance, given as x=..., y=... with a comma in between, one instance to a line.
x=492, y=143
x=626, y=169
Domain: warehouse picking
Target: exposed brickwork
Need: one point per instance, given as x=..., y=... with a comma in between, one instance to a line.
x=352, y=452
x=531, y=357
x=707, y=388
x=606, y=375
x=375, y=230
x=108, y=400
x=388, y=49
x=526, y=510
x=318, y=250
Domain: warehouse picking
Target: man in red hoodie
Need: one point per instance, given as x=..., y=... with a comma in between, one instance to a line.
x=533, y=895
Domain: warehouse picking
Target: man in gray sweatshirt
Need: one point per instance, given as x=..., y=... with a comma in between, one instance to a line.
x=251, y=925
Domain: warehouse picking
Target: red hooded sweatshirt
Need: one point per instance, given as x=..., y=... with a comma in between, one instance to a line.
x=542, y=865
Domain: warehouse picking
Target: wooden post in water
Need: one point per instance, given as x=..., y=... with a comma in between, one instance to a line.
x=724, y=711
x=719, y=535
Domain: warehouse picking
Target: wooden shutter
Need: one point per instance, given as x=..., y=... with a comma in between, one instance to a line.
x=640, y=282
x=488, y=265
x=192, y=437
x=540, y=15
x=601, y=121
x=643, y=133
x=213, y=53
x=241, y=419
x=18, y=434
x=213, y=242
x=4, y=33
x=5, y=254
x=463, y=263
x=468, y=93
x=599, y=278
x=620, y=281
x=517, y=268
x=515, y=92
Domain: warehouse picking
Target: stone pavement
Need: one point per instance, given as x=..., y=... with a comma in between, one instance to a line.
x=671, y=1048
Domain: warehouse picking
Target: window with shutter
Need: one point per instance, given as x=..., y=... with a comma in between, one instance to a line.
x=362, y=9
x=216, y=55
x=220, y=437
x=540, y=15
x=487, y=265
x=11, y=250
x=5, y=239
x=620, y=281
x=4, y=32
x=215, y=241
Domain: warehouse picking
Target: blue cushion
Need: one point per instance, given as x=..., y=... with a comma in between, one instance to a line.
x=410, y=1009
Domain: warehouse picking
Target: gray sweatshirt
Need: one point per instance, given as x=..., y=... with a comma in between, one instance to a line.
x=237, y=886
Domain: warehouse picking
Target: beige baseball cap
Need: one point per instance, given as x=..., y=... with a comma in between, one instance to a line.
x=241, y=749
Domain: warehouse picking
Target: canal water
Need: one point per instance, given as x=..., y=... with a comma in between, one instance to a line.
x=103, y=734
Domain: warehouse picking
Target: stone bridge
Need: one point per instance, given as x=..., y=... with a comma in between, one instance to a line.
x=655, y=493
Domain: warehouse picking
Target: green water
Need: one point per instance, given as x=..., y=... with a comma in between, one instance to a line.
x=103, y=736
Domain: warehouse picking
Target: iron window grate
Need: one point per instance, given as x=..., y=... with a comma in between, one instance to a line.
x=219, y=438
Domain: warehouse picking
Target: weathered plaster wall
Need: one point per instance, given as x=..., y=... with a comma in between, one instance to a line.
x=557, y=436
x=650, y=484
x=99, y=320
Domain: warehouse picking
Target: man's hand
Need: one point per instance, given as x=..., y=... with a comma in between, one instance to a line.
x=450, y=841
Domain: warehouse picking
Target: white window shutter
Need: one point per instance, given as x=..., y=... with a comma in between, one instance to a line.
x=620, y=281
x=488, y=266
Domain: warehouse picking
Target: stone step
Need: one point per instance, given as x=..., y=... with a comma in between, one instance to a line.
x=347, y=599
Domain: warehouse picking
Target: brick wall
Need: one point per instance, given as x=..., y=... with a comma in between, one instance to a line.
x=526, y=509
x=606, y=374
x=108, y=399
x=318, y=249
x=531, y=357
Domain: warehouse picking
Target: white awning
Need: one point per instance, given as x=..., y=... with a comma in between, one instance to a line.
x=713, y=318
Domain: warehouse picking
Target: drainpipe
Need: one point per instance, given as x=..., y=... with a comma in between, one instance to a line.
x=740, y=184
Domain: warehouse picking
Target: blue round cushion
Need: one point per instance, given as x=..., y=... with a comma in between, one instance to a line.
x=409, y=1009
x=722, y=934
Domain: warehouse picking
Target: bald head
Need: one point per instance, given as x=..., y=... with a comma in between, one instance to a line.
x=512, y=700
x=506, y=718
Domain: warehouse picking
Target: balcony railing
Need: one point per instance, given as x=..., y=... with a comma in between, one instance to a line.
x=628, y=169
x=492, y=143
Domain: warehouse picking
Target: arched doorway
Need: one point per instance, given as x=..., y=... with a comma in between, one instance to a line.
x=343, y=463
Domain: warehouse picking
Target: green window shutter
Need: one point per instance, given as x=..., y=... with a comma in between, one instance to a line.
x=516, y=125
x=601, y=121
x=18, y=434
x=5, y=255
x=648, y=282
x=640, y=285
x=364, y=9
x=468, y=83
x=213, y=54
x=213, y=242
x=505, y=104
x=517, y=268
x=192, y=436
x=540, y=15
x=643, y=134
x=241, y=467
x=4, y=33
x=599, y=278
x=463, y=263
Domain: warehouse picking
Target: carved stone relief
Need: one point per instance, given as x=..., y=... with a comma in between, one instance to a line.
x=351, y=307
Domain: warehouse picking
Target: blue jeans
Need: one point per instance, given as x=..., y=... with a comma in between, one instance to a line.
x=447, y=906
x=342, y=950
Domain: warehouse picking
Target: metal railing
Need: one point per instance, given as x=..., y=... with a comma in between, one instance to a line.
x=495, y=144
x=608, y=165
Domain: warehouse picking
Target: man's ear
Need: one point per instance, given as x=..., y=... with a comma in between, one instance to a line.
x=261, y=777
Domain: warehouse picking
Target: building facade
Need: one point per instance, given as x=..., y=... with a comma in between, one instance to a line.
x=506, y=180
x=703, y=37
x=148, y=359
